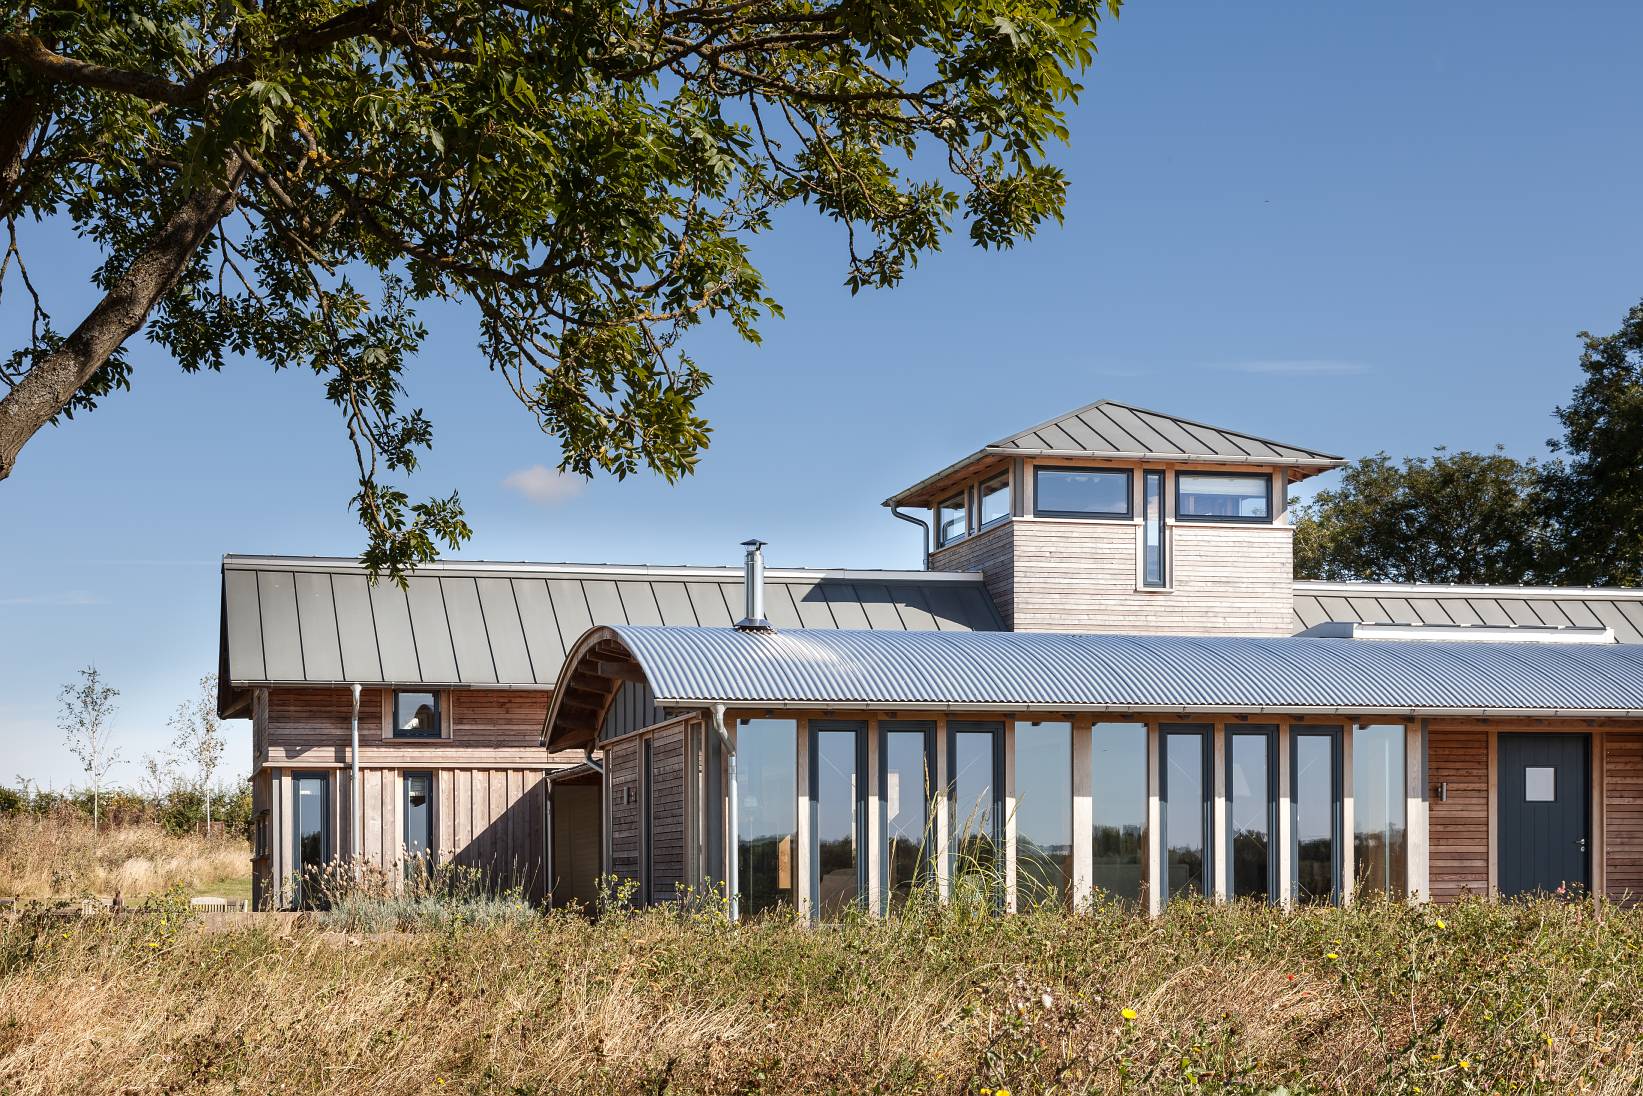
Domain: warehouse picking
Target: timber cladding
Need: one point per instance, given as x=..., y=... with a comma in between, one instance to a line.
x=1459, y=827
x=626, y=812
x=1623, y=816
x=669, y=814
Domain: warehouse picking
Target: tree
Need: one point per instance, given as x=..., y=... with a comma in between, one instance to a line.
x=86, y=716
x=291, y=181
x=199, y=738
x=1452, y=517
x=1596, y=493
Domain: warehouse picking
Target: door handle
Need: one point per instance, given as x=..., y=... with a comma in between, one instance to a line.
x=1582, y=844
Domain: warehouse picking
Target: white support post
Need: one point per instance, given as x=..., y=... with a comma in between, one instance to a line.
x=1220, y=847
x=1156, y=866
x=1349, y=822
x=944, y=814
x=874, y=850
x=1083, y=816
x=1417, y=814
x=803, y=867
x=1009, y=816
x=1286, y=819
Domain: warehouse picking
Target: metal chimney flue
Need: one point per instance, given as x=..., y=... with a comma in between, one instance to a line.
x=753, y=582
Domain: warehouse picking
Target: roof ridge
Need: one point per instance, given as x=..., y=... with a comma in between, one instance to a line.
x=1049, y=422
x=1314, y=585
x=1224, y=430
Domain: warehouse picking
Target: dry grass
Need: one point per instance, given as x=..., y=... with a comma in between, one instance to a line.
x=61, y=856
x=1477, y=998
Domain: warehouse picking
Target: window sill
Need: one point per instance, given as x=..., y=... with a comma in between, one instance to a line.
x=1200, y=524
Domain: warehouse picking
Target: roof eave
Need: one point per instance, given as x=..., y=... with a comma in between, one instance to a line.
x=1220, y=709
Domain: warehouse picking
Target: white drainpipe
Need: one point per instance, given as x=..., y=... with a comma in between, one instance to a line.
x=733, y=839
x=355, y=849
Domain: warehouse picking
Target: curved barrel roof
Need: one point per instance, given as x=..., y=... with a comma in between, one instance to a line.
x=1025, y=671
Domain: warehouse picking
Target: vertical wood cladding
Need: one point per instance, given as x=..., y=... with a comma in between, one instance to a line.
x=1623, y=816
x=669, y=817
x=1082, y=576
x=1459, y=828
x=622, y=768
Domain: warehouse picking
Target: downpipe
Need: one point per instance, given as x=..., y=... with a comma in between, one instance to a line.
x=895, y=511
x=355, y=849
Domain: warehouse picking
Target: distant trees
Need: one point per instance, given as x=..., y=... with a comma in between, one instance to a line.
x=85, y=716
x=199, y=738
x=1489, y=518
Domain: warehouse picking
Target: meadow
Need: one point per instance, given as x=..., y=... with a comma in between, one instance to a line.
x=1473, y=998
x=57, y=855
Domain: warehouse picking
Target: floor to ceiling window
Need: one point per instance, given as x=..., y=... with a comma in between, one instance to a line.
x=1185, y=786
x=1379, y=842
x=1250, y=811
x=839, y=814
x=907, y=755
x=1043, y=813
x=1118, y=808
x=1316, y=797
x=313, y=810
x=767, y=811
x=975, y=760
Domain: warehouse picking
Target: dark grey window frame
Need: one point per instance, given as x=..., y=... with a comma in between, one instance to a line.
x=886, y=726
x=326, y=836
x=1274, y=876
x=439, y=714
x=1128, y=513
x=428, y=853
x=1148, y=475
x=1226, y=519
x=982, y=521
x=1206, y=732
x=1337, y=805
x=963, y=499
x=859, y=726
x=995, y=821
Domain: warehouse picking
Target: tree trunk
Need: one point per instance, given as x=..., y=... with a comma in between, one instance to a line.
x=53, y=380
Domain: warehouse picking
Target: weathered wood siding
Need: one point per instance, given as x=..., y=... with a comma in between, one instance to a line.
x=669, y=812
x=626, y=809
x=577, y=841
x=1053, y=575
x=1623, y=816
x=492, y=820
x=1459, y=838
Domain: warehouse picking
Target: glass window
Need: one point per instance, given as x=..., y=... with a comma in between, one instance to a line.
x=1043, y=813
x=419, y=816
x=950, y=522
x=1222, y=496
x=908, y=787
x=313, y=811
x=837, y=792
x=1379, y=843
x=1249, y=807
x=1185, y=791
x=1081, y=492
x=995, y=500
x=973, y=800
x=416, y=715
x=1152, y=528
x=1118, y=807
x=767, y=812
x=1317, y=811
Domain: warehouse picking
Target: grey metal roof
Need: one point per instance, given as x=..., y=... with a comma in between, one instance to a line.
x=1065, y=672
x=1107, y=428
x=317, y=621
x=1497, y=606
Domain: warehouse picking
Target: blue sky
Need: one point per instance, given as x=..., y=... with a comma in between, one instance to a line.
x=1348, y=225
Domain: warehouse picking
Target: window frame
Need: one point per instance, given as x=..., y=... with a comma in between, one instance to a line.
x=1128, y=513
x=1226, y=519
x=428, y=853
x=1274, y=875
x=995, y=813
x=927, y=869
x=864, y=853
x=440, y=706
x=963, y=500
x=1163, y=583
x=1335, y=734
x=1205, y=732
x=1003, y=479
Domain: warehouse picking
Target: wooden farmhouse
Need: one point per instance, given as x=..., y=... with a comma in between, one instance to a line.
x=1104, y=685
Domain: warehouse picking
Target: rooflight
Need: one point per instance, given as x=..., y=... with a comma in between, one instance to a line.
x=1469, y=633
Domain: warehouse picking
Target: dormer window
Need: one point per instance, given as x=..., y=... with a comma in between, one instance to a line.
x=1223, y=496
x=1081, y=492
x=995, y=500
x=951, y=521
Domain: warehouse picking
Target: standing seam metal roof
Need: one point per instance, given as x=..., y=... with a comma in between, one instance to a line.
x=1025, y=670
x=1498, y=606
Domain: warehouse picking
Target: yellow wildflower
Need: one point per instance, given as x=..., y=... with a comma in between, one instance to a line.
x=1128, y=1014
x=1332, y=955
x=1464, y=1064
x=1001, y=1092
x=1441, y=925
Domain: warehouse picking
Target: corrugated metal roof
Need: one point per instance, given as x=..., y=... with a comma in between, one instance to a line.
x=1501, y=606
x=319, y=621
x=1059, y=671
x=1107, y=428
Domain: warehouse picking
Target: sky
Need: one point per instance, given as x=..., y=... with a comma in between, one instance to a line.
x=1351, y=226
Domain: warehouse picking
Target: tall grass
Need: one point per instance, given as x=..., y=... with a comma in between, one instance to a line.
x=59, y=855
x=1517, y=997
